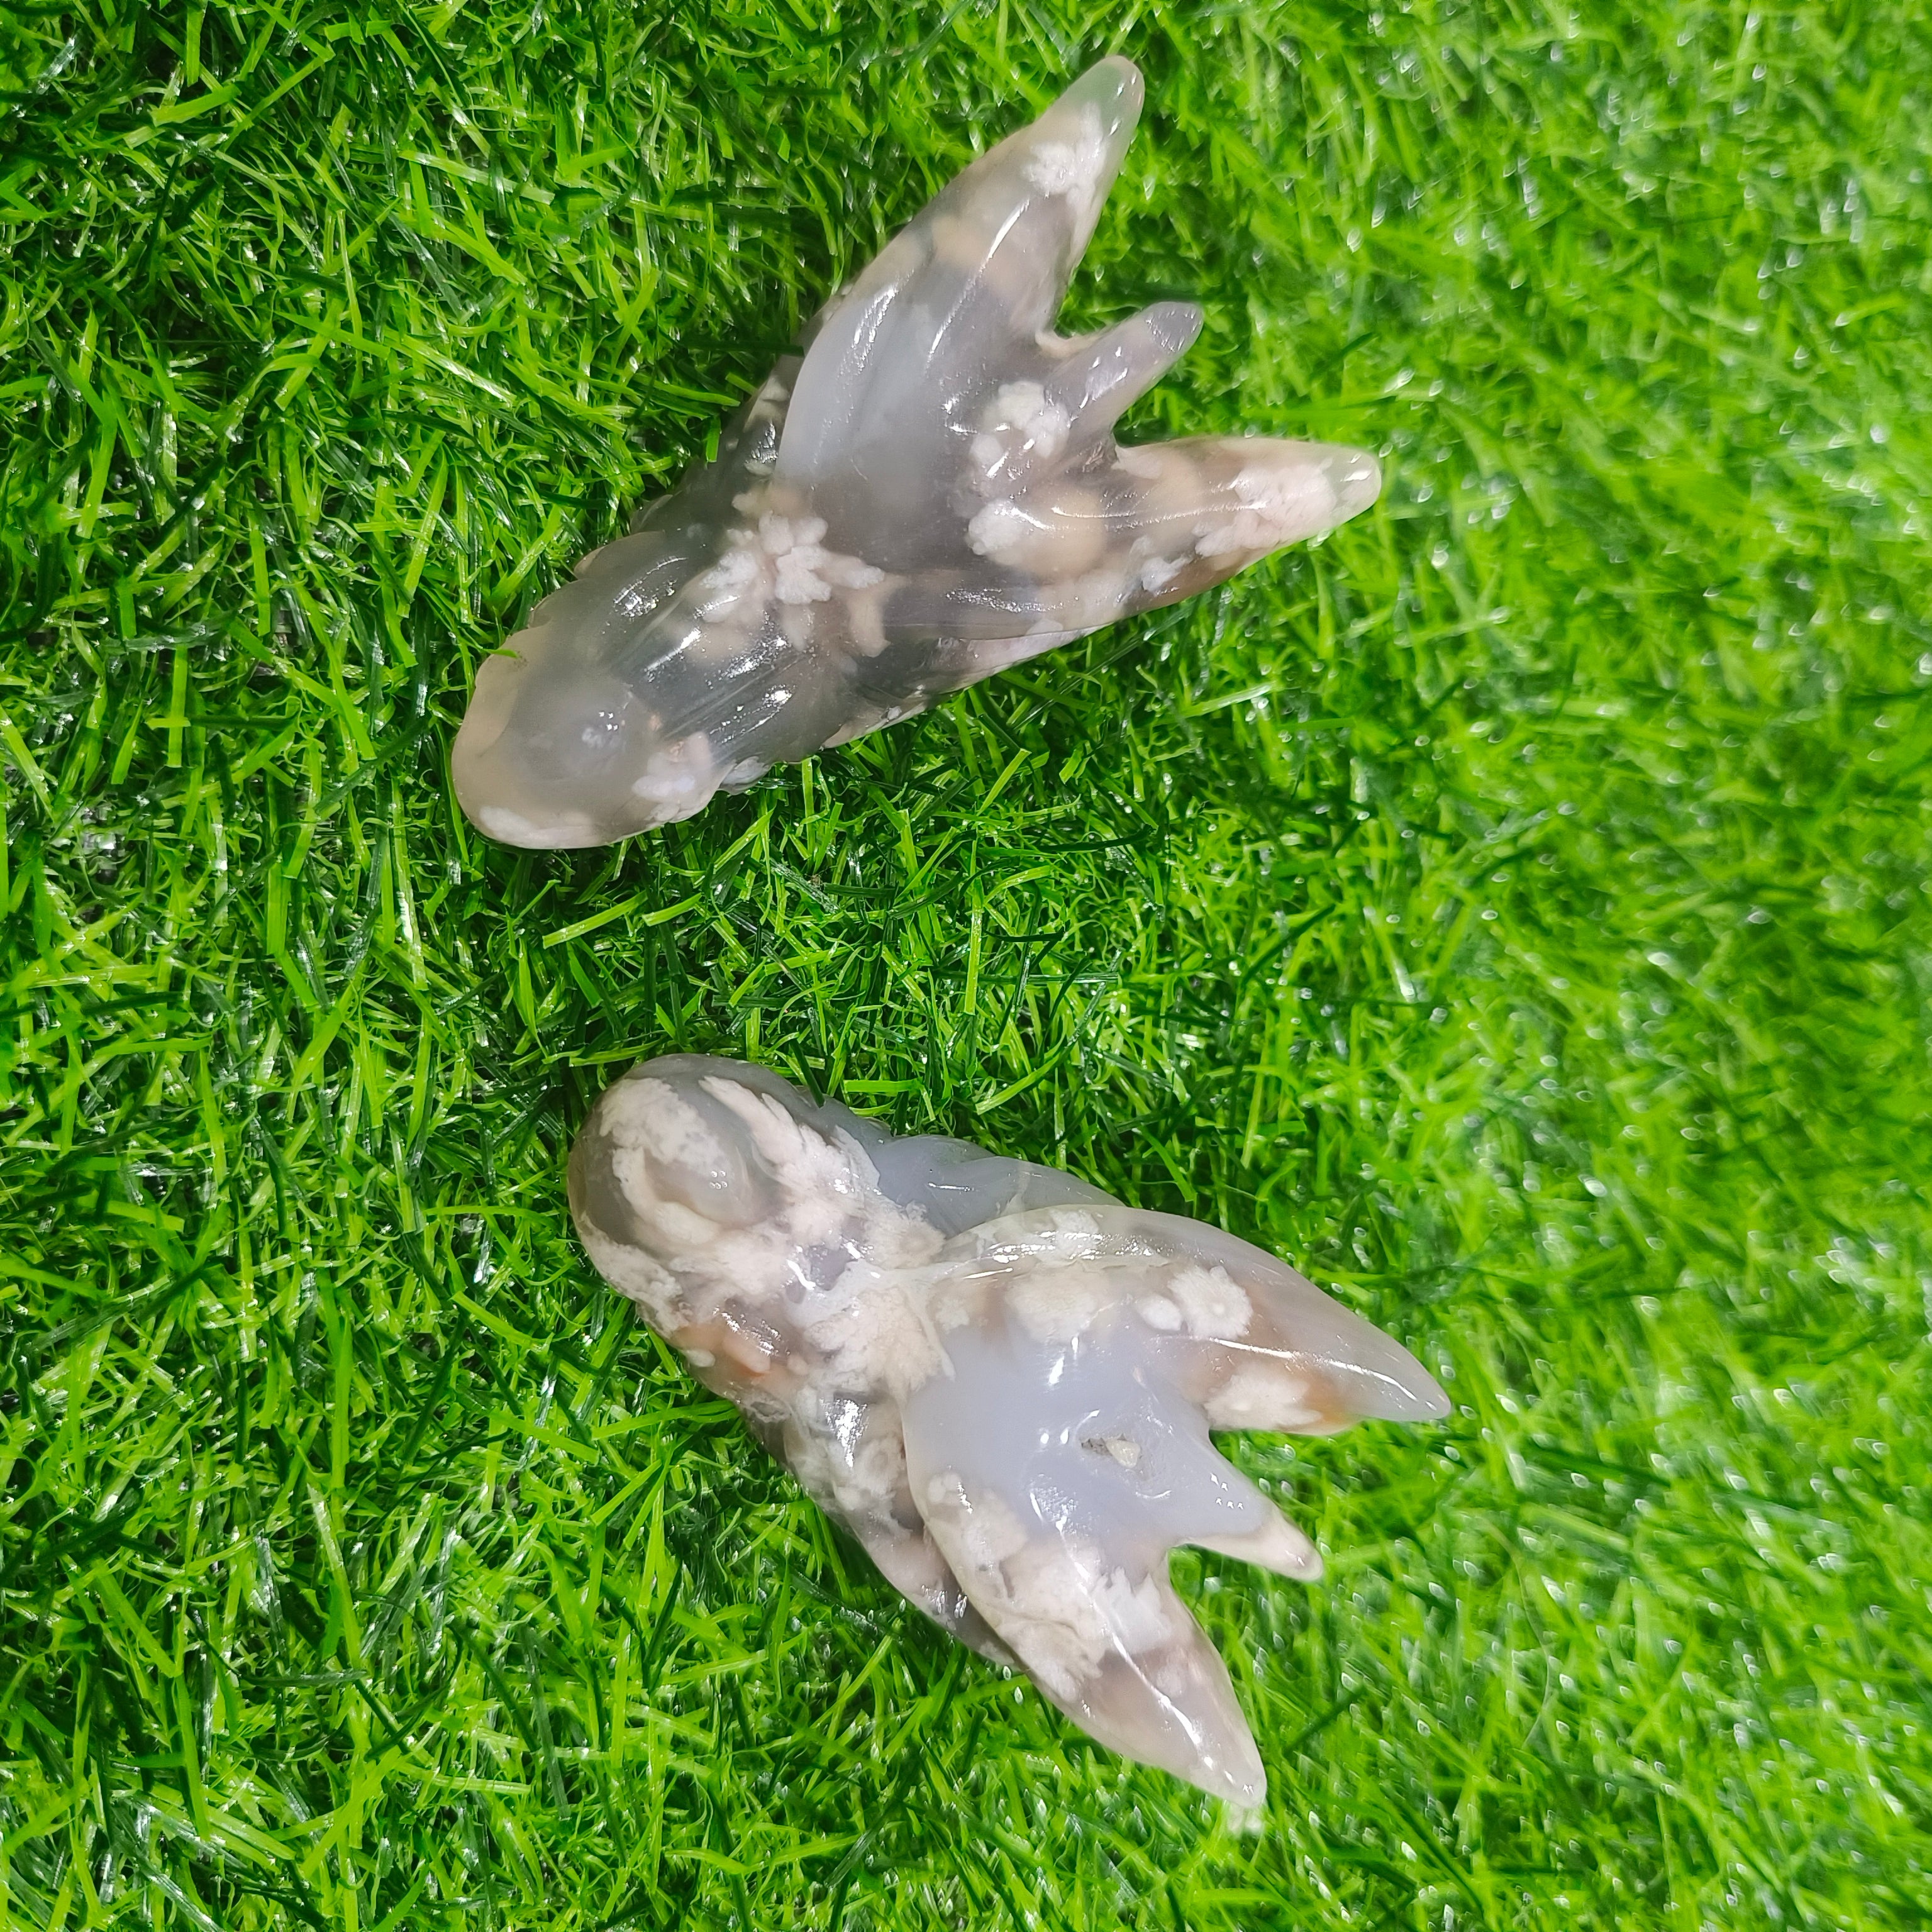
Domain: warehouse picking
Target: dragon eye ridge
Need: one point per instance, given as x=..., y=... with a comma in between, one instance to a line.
x=998, y=1377
x=929, y=492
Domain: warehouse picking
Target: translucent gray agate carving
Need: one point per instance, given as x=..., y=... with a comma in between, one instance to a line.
x=929, y=492
x=998, y=1377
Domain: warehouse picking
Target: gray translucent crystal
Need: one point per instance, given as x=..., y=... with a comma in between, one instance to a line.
x=999, y=1378
x=930, y=492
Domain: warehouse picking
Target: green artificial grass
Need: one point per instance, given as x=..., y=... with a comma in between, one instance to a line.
x=1513, y=909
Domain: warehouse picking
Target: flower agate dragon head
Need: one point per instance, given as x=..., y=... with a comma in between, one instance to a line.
x=930, y=492
x=999, y=1378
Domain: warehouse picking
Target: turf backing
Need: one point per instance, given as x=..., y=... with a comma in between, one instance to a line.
x=1514, y=909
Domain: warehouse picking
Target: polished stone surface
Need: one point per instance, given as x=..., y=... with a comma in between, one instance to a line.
x=998, y=1377
x=930, y=492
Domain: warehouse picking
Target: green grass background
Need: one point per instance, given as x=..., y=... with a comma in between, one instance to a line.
x=1513, y=909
